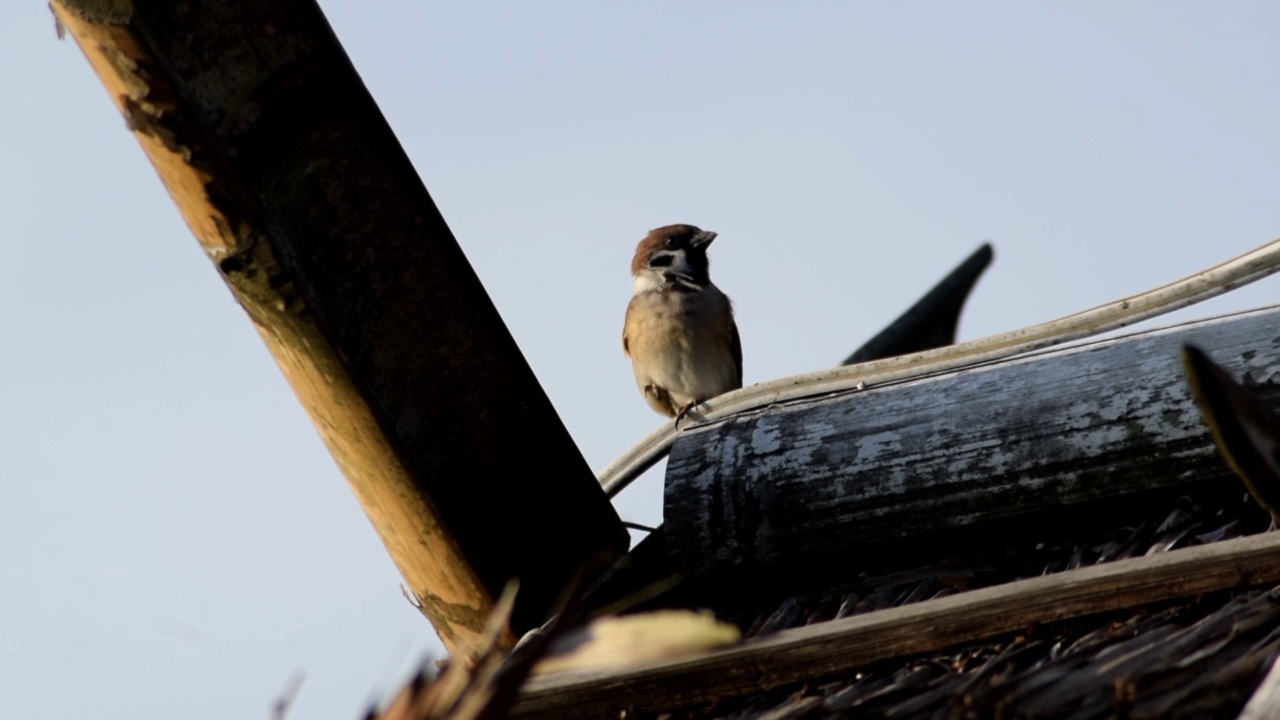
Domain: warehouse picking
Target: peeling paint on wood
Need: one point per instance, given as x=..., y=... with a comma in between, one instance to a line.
x=1050, y=429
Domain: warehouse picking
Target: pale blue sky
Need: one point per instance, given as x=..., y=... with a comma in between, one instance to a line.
x=173, y=533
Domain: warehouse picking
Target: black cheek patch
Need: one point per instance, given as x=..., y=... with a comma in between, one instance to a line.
x=661, y=261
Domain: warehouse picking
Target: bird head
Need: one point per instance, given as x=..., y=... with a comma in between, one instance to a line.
x=673, y=252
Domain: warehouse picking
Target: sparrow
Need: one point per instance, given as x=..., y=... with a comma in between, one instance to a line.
x=679, y=330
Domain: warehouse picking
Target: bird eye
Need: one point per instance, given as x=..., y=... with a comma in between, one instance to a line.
x=671, y=241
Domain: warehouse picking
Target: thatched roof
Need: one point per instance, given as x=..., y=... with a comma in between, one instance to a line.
x=1196, y=657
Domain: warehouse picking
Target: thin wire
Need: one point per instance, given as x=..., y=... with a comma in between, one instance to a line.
x=1253, y=265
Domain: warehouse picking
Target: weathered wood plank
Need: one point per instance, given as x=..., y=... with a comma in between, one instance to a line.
x=818, y=651
x=298, y=191
x=832, y=475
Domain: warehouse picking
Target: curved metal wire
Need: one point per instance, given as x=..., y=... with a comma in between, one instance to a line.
x=1242, y=270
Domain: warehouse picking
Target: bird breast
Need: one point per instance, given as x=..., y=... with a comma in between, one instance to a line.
x=680, y=340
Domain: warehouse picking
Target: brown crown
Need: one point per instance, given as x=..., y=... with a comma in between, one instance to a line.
x=656, y=240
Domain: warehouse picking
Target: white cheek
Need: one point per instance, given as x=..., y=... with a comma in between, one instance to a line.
x=647, y=280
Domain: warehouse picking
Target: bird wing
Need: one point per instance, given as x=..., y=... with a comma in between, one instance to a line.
x=659, y=399
x=626, y=346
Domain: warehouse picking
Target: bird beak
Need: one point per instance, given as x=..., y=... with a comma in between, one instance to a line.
x=703, y=239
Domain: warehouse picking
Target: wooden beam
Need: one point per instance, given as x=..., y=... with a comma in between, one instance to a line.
x=829, y=476
x=823, y=650
x=300, y=194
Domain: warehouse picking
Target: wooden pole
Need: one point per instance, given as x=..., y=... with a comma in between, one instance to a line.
x=298, y=191
x=831, y=476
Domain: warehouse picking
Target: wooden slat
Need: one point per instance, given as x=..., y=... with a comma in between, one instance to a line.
x=296, y=188
x=828, y=477
x=825, y=649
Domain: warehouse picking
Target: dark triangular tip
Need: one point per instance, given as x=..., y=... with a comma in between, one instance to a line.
x=1245, y=431
x=932, y=321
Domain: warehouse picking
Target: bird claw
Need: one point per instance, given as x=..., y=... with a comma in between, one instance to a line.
x=685, y=411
